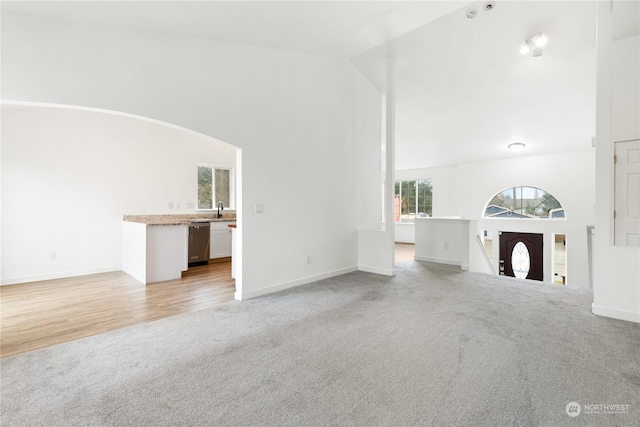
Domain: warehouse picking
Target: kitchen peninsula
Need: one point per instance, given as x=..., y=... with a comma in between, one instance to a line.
x=155, y=247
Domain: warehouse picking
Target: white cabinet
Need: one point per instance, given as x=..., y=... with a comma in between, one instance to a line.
x=220, y=240
x=154, y=253
x=220, y=244
x=233, y=252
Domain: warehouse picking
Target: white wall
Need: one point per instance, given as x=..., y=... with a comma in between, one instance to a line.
x=68, y=177
x=625, y=87
x=617, y=269
x=569, y=177
x=443, y=240
x=444, y=185
x=367, y=108
x=463, y=190
x=290, y=113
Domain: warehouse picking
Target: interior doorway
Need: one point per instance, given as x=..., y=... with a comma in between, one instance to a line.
x=559, y=257
x=405, y=252
x=521, y=255
x=627, y=193
x=487, y=241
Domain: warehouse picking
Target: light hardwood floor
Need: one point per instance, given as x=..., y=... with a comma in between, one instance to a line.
x=405, y=252
x=41, y=314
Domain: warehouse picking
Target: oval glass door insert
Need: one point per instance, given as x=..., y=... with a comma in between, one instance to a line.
x=520, y=260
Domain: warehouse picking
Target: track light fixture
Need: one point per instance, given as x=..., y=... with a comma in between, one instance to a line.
x=534, y=45
x=472, y=13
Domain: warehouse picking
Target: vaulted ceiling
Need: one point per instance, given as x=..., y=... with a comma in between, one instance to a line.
x=464, y=92
x=336, y=28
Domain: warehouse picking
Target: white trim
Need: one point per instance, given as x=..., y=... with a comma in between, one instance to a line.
x=113, y=112
x=59, y=275
x=442, y=261
x=292, y=284
x=626, y=136
x=443, y=219
x=376, y=270
x=615, y=313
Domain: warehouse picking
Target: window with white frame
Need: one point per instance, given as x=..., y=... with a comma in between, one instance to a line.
x=524, y=202
x=215, y=185
x=413, y=199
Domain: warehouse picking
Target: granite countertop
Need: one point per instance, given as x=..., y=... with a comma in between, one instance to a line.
x=178, y=219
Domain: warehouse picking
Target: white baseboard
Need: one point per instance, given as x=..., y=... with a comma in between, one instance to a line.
x=58, y=275
x=376, y=270
x=615, y=313
x=292, y=284
x=442, y=261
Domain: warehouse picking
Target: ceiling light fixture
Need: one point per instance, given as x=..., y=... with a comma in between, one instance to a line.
x=516, y=146
x=534, y=45
x=472, y=13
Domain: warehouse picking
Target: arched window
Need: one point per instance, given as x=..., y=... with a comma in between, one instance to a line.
x=524, y=202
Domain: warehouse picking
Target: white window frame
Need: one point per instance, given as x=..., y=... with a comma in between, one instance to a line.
x=416, y=197
x=232, y=187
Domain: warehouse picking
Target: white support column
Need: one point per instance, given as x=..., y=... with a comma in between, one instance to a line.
x=376, y=248
x=239, y=230
x=390, y=152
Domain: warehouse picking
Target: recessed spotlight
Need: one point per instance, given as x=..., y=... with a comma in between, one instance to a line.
x=541, y=40
x=516, y=146
x=534, y=44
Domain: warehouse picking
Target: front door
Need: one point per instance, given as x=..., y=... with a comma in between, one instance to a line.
x=521, y=255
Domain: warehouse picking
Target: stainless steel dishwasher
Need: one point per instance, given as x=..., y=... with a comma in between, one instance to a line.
x=199, y=236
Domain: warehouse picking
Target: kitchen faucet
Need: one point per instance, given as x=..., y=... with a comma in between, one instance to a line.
x=220, y=208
